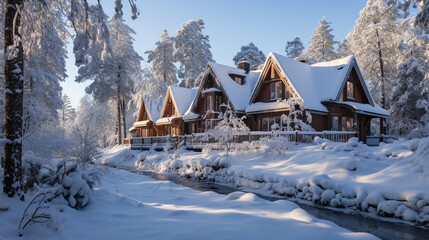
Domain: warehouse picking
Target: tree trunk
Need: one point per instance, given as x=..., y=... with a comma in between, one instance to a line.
x=118, y=115
x=124, y=122
x=381, y=62
x=14, y=87
x=118, y=107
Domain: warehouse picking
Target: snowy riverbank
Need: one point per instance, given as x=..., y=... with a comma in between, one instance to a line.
x=390, y=180
x=131, y=206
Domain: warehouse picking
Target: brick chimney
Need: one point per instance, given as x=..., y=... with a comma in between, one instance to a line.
x=244, y=64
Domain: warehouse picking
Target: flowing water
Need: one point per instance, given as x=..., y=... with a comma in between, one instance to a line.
x=352, y=221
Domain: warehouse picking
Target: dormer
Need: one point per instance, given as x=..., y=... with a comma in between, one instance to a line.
x=237, y=78
x=353, y=90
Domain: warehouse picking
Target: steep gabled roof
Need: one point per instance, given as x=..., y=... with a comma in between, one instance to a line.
x=153, y=108
x=238, y=94
x=182, y=98
x=314, y=83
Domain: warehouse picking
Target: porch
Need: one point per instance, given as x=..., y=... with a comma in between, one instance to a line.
x=198, y=141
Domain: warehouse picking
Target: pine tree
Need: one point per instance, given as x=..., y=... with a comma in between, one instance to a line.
x=345, y=48
x=112, y=68
x=149, y=88
x=162, y=60
x=405, y=95
x=251, y=53
x=422, y=18
x=44, y=61
x=294, y=48
x=67, y=112
x=375, y=43
x=193, y=51
x=322, y=43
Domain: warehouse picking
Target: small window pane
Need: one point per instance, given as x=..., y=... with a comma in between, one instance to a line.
x=349, y=124
x=271, y=123
x=272, y=91
x=335, y=122
x=279, y=90
x=350, y=90
x=343, y=124
x=264, y=124
x=287, y=95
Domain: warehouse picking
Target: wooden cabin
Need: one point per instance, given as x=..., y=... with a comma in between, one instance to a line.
x=145, y=118
x=176, y=103
x=334, y=93
x=220, y=85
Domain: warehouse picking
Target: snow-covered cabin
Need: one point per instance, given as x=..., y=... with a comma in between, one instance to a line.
x=176, y=103
x=220, y=85
x=334, y=93
x=148, y=113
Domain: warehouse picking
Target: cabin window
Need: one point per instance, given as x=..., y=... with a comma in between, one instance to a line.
x=287, y=94
x=210, y=124
x=335, y=123
x=276, y=90
x=209, y=103
x=347, y=124
x=268, y=122
x=350, y=90
x=217, y=102
x=238, y=80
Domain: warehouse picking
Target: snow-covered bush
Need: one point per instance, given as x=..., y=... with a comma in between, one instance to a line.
x=229, y=126
x=297, y=118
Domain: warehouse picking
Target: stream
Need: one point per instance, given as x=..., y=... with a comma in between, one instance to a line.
x=353, y=221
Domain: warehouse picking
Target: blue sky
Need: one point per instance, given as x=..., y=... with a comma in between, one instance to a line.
x=230, y=24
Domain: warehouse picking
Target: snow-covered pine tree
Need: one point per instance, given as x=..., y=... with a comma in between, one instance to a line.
x=251, y=53
x=162, y=60
x=193, y=51
x=375, y=43
x=294, y=48
x=112, y=69
x=406, y=93
x=44, y=61
x=423, y=103
x=66, y=113
x=149, y=88
x=422, y=18
x=321, y=44
x=345, y=47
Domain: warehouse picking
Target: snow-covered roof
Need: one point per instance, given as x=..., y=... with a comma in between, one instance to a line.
x=267, y=106
x=141, y=123
x=239, y=95
x=190, y=115
x=366, y=108
x=314, y=83
x=167, y=120
x=154, y=108
x=211, y=90
x=182, y=98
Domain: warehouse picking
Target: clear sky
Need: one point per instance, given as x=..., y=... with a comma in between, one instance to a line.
x=230, y=24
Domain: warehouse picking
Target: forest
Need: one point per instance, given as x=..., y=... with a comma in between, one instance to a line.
x=390, y=42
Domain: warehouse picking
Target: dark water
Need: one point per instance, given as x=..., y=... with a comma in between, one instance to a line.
x=353, y=221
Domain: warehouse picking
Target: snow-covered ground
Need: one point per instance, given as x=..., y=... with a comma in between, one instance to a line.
x=390, y=180
x=125, y=205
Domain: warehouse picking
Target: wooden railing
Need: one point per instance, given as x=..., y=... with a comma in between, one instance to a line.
x=200, y=140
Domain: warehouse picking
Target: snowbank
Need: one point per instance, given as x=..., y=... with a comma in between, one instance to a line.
x=389, y=180
x=132, y=206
